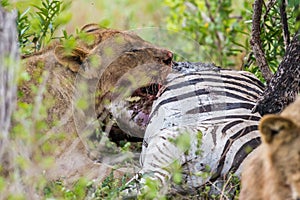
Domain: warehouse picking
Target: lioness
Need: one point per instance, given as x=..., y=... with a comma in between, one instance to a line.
x=104, y=60
x=274, y=170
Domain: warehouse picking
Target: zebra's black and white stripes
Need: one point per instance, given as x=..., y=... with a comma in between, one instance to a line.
x=206, y=102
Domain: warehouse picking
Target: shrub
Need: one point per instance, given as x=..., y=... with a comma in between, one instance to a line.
x=223, y=29
x=38, y=23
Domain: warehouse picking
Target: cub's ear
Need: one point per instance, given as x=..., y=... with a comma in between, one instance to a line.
x=272, y=125
x=72, y=59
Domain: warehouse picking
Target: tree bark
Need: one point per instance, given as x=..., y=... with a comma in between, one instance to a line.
x=285, y=84
x=256, y=41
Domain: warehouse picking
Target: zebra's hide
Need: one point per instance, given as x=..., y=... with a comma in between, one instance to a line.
x=212, y=108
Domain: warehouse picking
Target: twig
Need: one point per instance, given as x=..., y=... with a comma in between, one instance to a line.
x=227, y=183
x=269, y=5
x=256, y=42
x=298, y=16
x=248, y=62
x=284, y=23
x=221, y=191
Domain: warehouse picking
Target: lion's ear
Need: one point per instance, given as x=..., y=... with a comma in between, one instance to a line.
x=89, y=36
x=90, y=28
x=72, y=59
x=272, y=125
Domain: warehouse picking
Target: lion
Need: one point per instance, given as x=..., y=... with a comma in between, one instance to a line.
x=103, y=59
x=273, y=171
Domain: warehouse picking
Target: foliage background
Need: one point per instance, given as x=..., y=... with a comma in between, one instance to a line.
x=221, y=28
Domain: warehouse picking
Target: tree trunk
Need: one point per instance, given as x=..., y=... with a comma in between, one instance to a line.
x=9, y=61
x=9, y=67
x=285, y=84
x=9, y=64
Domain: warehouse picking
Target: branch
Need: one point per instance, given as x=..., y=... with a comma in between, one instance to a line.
x=298, y=16
x=269, y=6
x=284, y=23
x=285, y=84
x=256, y=42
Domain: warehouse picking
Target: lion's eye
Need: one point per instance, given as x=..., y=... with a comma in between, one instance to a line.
x=134, y=50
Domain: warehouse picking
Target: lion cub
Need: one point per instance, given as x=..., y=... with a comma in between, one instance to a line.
x=273, y=172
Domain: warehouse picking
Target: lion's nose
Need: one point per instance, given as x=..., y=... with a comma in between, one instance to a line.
x=168, y=57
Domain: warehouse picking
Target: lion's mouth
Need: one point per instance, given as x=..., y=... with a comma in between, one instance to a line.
x=169, y=59
x=141, y=101
x=132, y=114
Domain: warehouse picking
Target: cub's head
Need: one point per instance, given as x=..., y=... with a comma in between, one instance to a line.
x=124, y=72
x=281, y=139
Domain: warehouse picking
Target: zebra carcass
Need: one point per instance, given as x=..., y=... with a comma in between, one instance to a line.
x=202, y=122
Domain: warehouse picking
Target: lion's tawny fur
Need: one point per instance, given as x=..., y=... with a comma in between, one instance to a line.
x=273, y=172
x=54, y=71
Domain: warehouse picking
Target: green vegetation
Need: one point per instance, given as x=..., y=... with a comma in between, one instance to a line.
x=110, y=188
x=215, y=25
x=223, y=30
x=38, y=23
